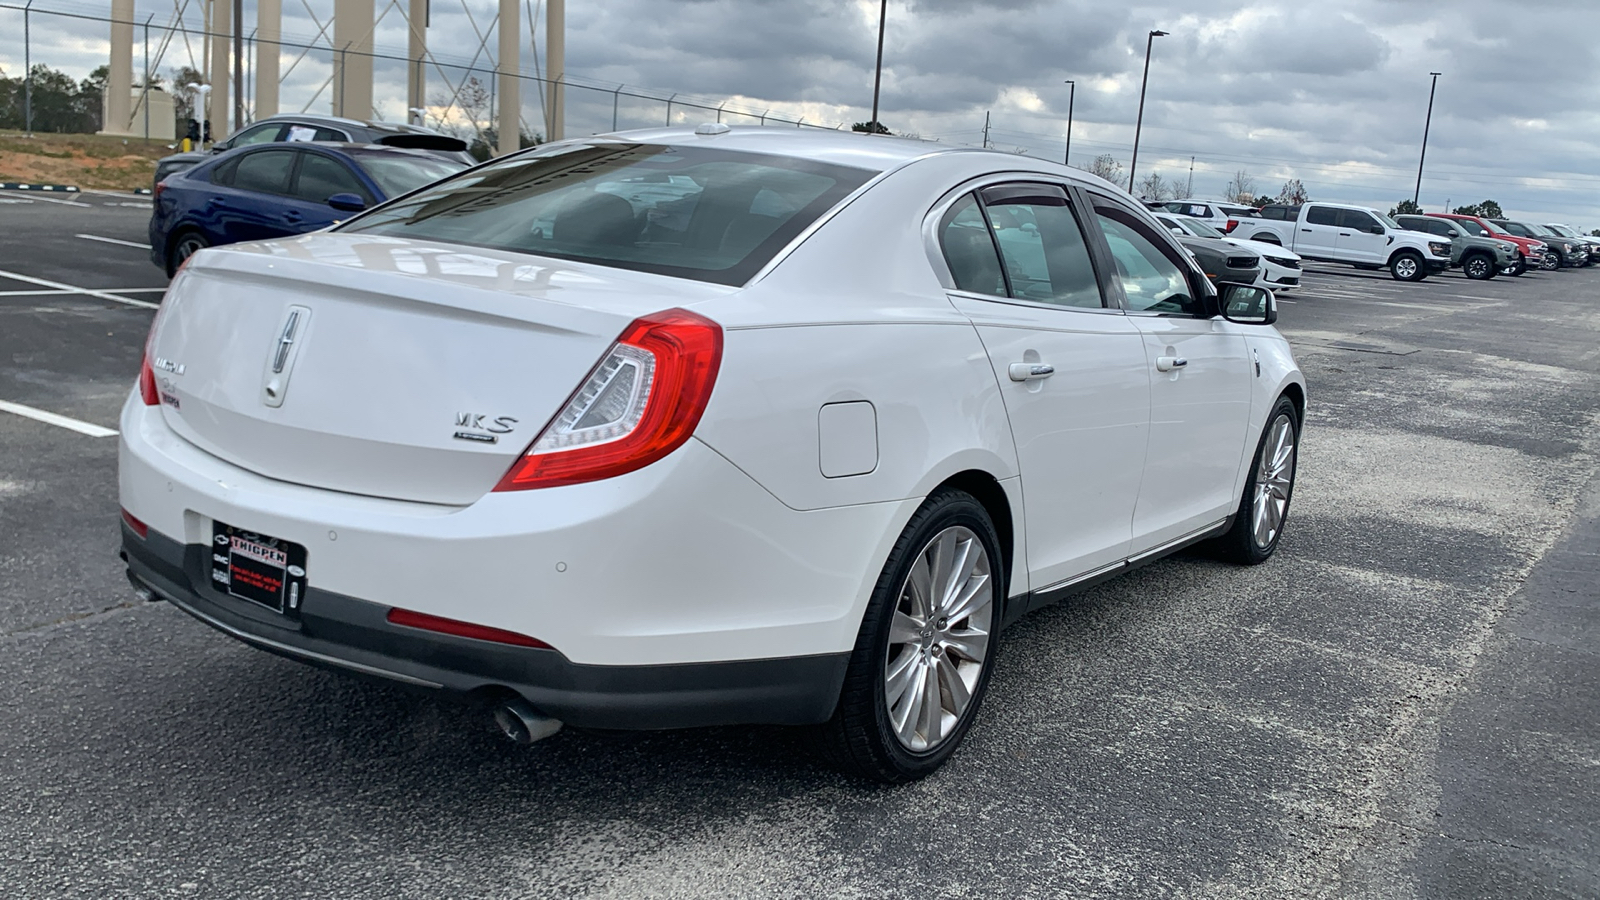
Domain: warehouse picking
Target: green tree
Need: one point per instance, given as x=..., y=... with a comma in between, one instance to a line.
x=870, y=128
x=1488, y=209
x=1261, y=200
x=1406, y=208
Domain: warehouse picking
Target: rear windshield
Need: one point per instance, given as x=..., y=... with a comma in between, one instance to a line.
x=691, y=212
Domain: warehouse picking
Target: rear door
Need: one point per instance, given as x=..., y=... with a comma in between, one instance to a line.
x=1361, y=237
x=1200, y=384
x=1070, y=367
x=1317, y=232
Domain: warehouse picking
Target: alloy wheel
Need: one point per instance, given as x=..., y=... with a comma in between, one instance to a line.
x=1551, y=261
x=939, y=639
x=1406, y=268
x=1274, y=481
x=1478, y=268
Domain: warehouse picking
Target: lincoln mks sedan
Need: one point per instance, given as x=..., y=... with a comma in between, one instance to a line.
x=703, y=426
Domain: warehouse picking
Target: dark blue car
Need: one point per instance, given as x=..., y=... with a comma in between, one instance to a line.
x=279, y=189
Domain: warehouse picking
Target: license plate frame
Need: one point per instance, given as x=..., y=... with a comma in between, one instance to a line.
x=260, y=569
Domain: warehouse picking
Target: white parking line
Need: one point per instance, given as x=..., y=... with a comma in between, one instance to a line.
x=106, y=240
x=63, y=202
x=59, y=291
x=51, y=418
x=28, y=279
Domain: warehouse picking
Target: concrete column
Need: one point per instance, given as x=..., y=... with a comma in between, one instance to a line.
x=352, y=59
x=119, y=81
x=269, y=29
x=220, y=100
x=510, y=87
x=416, y=53
x=555, y=68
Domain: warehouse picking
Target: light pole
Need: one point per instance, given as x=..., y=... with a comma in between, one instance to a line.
x=1416, y=198
x=1066, y=158
x=1139, y=125
x=877, y=72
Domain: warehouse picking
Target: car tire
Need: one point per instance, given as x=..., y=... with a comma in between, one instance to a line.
x=1479, y=267
x=1263, y=510
x=1517, y=268
x=1551, y=261
x=184, y=245
x=1408, y=266
x=887, y=727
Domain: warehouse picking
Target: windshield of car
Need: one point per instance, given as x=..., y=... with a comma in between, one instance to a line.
x=1540, y=231
x=1388, y=221
x=1198, y=228
x=1516, y=228
x=692, y=212
x=399, y=173
x=1563, y=230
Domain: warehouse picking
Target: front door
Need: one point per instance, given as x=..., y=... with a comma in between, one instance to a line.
x=1071, y=369
x=1362, y=238
x=1199, y=390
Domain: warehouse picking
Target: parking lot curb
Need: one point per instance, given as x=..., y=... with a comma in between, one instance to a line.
x=26, y=186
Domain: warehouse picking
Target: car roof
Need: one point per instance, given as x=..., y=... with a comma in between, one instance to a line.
x=845, y=148
x=393, y=127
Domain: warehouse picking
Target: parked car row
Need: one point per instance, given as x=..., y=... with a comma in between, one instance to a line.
x=1411, y=247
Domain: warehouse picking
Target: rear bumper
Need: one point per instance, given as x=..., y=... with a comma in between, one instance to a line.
x=353, y=635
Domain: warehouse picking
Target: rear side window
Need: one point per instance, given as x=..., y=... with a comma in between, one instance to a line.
x=1472, y=228
x=1322, y=215
x=969, y=251
x=1046, y=258
x=691, y=212
x=266, y=171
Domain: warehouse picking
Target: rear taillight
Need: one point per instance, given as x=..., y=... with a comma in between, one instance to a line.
x=147, y=383
x=139, y=528
x=640, y=403
x=156, y=194
x=1232, y=224
x=457, y=628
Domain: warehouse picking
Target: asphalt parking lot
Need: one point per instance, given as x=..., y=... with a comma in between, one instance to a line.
x=1403, y=703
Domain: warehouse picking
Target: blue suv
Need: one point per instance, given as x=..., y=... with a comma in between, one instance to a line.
x=279, y=189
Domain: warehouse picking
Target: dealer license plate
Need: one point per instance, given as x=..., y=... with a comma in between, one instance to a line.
x=259, y=568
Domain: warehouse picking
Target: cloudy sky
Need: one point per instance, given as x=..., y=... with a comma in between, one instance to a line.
x=1331, y=93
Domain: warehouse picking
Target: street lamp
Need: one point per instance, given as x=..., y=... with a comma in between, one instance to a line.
x=1427, y=124
x=1139, y=125
x=877, y=73
x=1066, y=158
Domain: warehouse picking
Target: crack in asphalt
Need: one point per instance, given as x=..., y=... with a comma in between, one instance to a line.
x=71, y=618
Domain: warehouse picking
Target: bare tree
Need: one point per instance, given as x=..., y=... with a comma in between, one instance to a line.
x=1107, y=167
x=1154, y=187
x=1241, y=188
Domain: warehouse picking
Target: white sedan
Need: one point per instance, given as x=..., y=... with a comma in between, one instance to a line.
x=1280, y=268
x=692, y=427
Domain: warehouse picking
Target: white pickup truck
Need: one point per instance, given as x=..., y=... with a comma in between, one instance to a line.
x=1357, y=235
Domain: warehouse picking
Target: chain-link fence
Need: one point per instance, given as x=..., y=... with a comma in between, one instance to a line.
x=314, y=76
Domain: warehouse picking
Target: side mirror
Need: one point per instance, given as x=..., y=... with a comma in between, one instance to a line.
x=347, y=202
x=1248, y=305
x=1376, y=229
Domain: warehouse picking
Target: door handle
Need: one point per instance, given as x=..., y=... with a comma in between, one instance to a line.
x=1170, y=363
x=1030, y=371
x=1306, y=230
x=217, y=201
x=1344, y=234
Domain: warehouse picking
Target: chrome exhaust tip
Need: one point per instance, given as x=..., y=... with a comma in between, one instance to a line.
x=522, y=724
